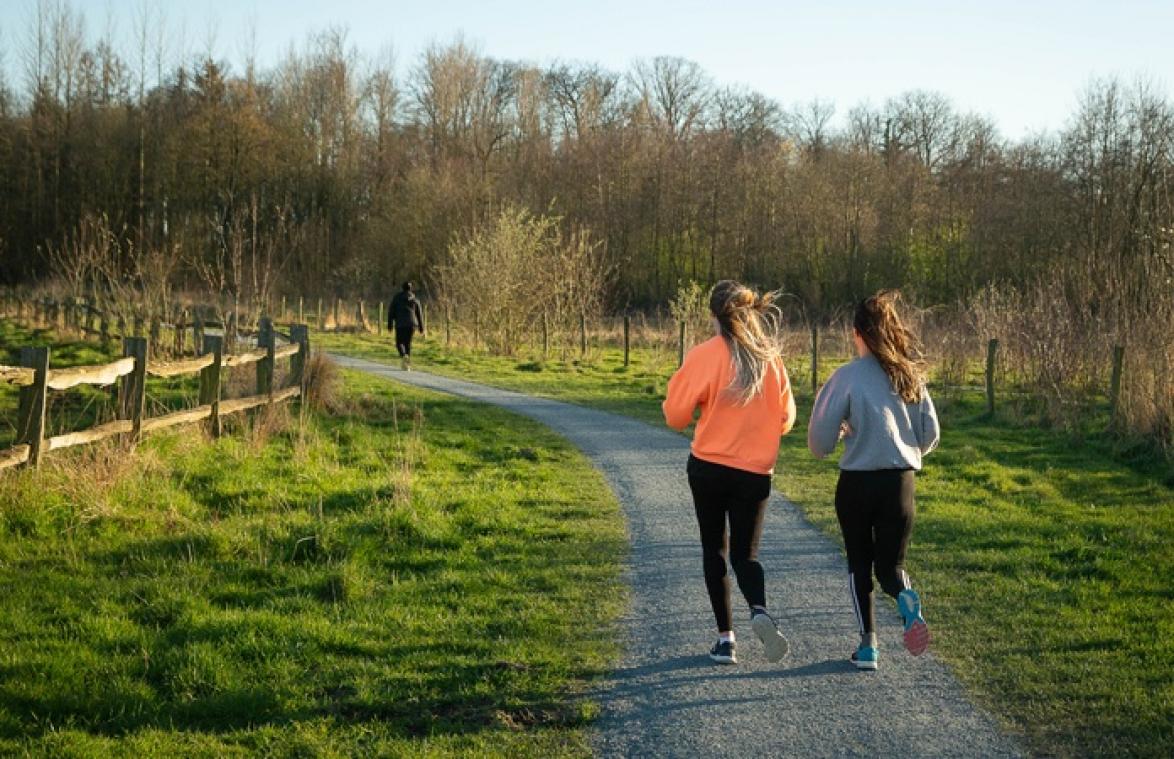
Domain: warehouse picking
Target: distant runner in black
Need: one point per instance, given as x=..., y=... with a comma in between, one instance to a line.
x=405, y=317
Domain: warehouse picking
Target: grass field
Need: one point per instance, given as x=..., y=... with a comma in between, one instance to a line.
x=407, y=575
x=1045, y=560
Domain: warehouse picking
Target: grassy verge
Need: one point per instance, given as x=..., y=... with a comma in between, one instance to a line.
x=412, y=575
x=1045, y=560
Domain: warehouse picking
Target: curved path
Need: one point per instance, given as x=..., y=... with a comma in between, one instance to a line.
x=666, y=698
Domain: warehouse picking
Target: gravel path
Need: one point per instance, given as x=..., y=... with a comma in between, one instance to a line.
x=666, y=698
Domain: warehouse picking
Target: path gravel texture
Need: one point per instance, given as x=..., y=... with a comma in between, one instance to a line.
x=666, y=699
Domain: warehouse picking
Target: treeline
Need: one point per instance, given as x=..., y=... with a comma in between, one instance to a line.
x=339, y=173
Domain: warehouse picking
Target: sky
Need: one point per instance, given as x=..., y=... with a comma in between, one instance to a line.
x=1022, y=63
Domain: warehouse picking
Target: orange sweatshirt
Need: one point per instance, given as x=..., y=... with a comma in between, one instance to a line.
x=739, y=436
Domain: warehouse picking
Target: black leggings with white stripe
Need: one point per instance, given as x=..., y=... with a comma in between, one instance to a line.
x=875, y=510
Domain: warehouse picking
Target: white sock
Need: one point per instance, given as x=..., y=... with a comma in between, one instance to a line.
x=726, y=637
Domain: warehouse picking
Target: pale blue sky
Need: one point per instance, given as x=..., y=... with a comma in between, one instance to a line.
x=1021, y=63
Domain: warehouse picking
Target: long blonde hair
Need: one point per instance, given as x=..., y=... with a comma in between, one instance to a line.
x=750, y=324
x=892, y=343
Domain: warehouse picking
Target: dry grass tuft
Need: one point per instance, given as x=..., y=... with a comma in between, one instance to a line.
x=323, y=384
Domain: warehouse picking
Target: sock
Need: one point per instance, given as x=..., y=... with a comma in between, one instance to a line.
x=868, y=639
x=726, y=636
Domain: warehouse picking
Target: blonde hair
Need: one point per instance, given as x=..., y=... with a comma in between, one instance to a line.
x=892, y=343
x=750, y=324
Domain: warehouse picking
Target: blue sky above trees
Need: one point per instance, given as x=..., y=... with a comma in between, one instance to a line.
x=1020, y=63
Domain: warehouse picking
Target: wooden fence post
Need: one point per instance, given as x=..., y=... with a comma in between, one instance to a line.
x=681, y=344
x=814, y=357
x=992, y=348
x=181, y=329
x=267, y=340
x=361, y=316
x=133, y=399
x=447, y=327
x=31, y=417
x=230, y=328
x=156, y=332
x=282, y=316
x=379, y=324
x=210, y=381
x=300, y=334
x=582, y=334
x=301, y=309
x=197, y=332
x=321, y=316
x=545, y=334
x=627, y=339
x=1115, y=383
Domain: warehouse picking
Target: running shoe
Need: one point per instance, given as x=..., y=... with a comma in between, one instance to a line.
x=723, y=652
x=767, y=630
x=864, y=657
x=916, y=636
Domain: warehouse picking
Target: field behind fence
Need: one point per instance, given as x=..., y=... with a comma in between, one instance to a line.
x=215, y=350
x=965, y=357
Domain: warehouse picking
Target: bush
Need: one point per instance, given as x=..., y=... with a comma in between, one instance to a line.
x=506, y=274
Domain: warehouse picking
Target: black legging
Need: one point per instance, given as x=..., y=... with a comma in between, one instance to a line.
x=875, y=510
x=721, y=492
x=403, y=340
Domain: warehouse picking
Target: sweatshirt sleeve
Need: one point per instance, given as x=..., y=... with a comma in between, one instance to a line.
x=687, y=389
x=929, y=428
x=788, y=399
x=831, y=408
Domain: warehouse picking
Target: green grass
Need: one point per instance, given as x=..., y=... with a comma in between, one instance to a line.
x=1045, y=559
x=413, y=575
x=600, y=380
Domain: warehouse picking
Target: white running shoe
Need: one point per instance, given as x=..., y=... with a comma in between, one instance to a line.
x=767, y=631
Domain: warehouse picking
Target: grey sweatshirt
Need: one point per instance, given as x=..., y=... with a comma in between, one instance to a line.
x=887, y=433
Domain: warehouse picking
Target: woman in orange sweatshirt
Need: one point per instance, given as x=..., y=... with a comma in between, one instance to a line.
x=738, y=381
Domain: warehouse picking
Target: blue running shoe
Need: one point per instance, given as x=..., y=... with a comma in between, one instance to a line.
x=916, y=637
x=723, y=652
x=864, y=657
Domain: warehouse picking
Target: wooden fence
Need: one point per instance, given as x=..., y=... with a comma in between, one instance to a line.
x=35, y=378
x=353, y=315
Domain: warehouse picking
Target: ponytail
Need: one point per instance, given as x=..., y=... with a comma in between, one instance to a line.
x=750, y=324
x=892, y=343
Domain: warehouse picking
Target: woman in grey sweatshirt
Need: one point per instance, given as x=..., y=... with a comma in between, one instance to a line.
x=879, y=406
